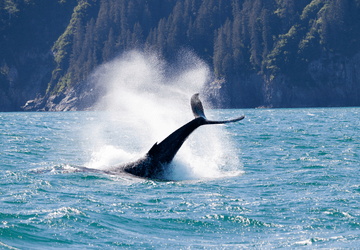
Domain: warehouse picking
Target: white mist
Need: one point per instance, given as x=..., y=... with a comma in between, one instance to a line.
x=147, y=99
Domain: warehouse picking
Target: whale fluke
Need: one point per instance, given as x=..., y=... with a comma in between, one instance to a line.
x=198, y=111
x=196, y=106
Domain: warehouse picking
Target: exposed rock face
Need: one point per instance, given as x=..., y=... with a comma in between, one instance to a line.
x=339, y=80
x=328, y=83
x=81, y=97
x=216, y=94
x=334, y=82
x=25, y=80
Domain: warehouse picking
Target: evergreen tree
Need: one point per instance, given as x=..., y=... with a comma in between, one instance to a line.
x=266, y=36
x=161, y=36
x=109, y=47
x=91, y=62
x=102, y=22
x=77, y=47
x=237, y=44
x=336, y=26
x=219, y=52
x=137, y=36
x=255, y=28
x=223, y=55
x=125, y=32
x=87, y=58
x=287, y=14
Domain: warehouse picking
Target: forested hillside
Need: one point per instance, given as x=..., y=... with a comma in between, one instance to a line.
x=28, y=30
x=280, y=53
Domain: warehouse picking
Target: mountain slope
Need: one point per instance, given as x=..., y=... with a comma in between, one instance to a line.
x=276, y=53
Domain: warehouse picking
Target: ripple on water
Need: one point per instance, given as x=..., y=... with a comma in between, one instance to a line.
x=298, y=186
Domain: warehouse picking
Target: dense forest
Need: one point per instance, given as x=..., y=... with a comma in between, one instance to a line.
x=264, y=40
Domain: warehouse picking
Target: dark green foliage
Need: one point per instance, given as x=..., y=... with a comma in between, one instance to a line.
x=28, y=30
x=340, y=27
x=236, y=37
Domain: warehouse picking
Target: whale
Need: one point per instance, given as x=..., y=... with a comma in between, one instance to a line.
x=156, y=161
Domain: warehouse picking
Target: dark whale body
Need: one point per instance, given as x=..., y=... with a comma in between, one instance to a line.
x=154, y=163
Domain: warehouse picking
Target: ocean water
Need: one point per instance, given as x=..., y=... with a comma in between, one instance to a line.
x=281, y=178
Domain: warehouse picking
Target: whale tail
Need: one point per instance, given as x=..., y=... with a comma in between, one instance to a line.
x=165, y=151
x=198, y=111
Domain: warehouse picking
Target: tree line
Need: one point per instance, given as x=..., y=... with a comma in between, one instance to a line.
x=235, y=37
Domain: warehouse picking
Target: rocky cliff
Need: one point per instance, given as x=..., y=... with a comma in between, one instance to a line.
x=272, y=53
x=26, y=79
x=334, y=81
x=28, y=30
x=82, y=97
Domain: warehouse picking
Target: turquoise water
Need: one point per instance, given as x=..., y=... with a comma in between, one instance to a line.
x=285, y=178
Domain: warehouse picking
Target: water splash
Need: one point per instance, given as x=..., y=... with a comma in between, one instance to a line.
x=146, y=100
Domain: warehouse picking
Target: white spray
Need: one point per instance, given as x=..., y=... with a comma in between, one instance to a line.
x=147, y=99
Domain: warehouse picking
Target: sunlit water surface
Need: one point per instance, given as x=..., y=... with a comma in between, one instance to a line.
x=281, y=178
